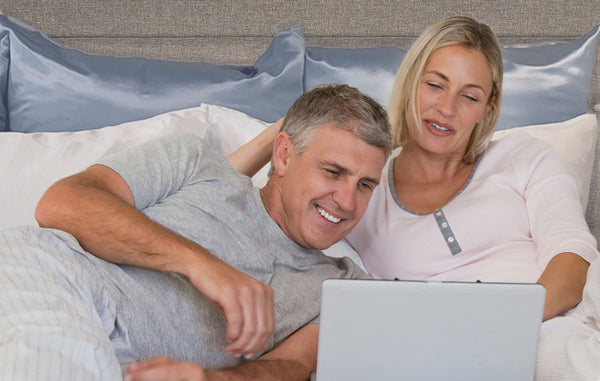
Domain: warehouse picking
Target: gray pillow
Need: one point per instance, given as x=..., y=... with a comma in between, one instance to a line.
x=47, y=87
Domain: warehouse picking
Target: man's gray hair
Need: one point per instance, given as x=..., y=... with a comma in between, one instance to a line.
x=341, y=106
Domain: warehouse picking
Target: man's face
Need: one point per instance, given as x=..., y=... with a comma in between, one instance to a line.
x=325, y=190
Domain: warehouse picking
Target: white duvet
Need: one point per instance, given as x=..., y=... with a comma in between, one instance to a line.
x=569, y=348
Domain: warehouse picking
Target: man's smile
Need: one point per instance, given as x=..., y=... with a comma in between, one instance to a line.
x=327, y=216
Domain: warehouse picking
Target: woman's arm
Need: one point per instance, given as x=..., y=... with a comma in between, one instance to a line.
x=564, y=278
x=558, y=227
x=252, y=156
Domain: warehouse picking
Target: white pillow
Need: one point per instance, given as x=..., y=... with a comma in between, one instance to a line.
x=575, y=141
x=31, y=162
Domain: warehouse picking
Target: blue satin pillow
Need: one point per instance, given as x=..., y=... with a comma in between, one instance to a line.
x=543, y=83
x=371, y=70
x=53, y=88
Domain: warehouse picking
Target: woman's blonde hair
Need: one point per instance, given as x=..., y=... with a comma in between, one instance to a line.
x=462, y=31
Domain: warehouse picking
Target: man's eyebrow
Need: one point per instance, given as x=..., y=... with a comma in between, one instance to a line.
x=371, y=180
x=345, y=171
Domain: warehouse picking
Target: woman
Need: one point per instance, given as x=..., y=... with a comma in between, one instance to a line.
x=456, y=207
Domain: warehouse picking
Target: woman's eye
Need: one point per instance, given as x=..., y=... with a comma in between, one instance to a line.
x=434, y=85
x=471, y=98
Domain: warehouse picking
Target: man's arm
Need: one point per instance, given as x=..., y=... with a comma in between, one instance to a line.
x=97, y=207
x=294, y=359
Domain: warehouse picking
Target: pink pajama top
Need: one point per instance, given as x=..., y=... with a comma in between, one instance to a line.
x=518, y=209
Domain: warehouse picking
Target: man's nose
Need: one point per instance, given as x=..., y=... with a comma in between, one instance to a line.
x=345, y=196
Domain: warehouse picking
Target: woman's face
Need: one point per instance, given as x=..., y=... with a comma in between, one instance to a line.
x=453, y=97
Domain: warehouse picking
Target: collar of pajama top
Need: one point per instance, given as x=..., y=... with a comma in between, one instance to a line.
x=438, y=214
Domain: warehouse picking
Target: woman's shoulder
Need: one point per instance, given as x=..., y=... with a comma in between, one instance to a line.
x=516, y=153
x=517, y=145
x=507, y=139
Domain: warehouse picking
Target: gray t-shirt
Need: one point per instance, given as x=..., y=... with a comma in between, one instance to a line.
x=184, y=185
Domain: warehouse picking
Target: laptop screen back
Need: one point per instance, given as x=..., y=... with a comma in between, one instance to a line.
x=411, y=330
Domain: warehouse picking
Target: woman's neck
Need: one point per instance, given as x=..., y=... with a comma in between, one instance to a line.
x=429, y=167
x=425, y=182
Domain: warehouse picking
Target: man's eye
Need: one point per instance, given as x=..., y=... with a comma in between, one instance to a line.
x=365, y=186
x=332, y=172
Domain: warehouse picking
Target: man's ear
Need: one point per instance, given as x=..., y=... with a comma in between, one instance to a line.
x=283, y=150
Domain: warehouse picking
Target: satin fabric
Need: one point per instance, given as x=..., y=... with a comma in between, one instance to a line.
x=47, y=87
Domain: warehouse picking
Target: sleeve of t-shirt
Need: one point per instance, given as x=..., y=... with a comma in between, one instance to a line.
x=162, y=166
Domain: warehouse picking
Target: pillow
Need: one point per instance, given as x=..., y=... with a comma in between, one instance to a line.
x=575, y=141
x=53, y=88
x=542, y=83
x=371, y=70
x=33, y=161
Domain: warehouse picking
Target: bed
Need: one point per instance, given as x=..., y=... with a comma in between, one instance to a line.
x=80, y=79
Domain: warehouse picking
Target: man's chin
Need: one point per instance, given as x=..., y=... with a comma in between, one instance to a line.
x=325, y=243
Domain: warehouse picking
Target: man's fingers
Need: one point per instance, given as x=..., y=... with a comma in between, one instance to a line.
x=246, y=304
x=265, y=320
x=163, y=368
x=250, y=322
x=240, y=334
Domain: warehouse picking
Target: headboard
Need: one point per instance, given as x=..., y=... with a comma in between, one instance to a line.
x=238, y=31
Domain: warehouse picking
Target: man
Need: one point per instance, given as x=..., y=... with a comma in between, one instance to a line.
x=206, y=268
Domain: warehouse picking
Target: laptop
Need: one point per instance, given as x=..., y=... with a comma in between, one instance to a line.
x=418, y=330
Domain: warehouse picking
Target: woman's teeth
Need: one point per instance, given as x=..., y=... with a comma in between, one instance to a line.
x=438, y=127
x=328, y=216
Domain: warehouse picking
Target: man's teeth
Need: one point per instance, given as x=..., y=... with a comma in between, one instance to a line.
x=328, y=216
x=439, y=127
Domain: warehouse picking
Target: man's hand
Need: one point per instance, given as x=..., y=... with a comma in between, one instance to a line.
x=163, y=368
x=246, y=303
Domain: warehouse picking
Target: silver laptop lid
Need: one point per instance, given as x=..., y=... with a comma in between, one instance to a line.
x=411, y=330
